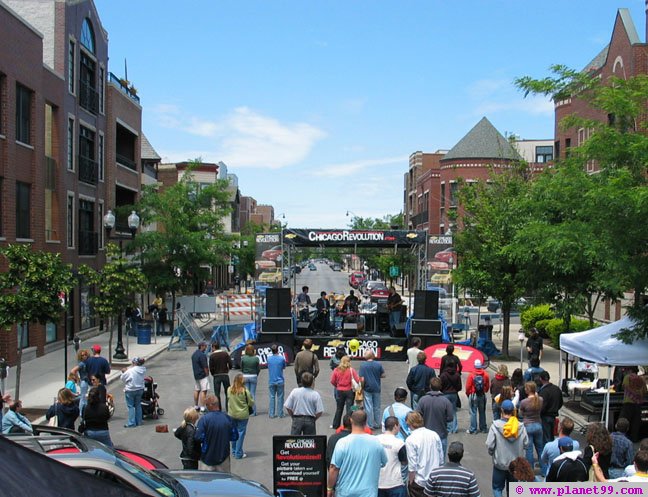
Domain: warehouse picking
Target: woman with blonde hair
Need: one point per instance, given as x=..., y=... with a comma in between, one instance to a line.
x=84, y=379
x=65, y=409
x=190, y=454
x=239, y=407
x=530, y=414
x=250, y=367
x=342, y=379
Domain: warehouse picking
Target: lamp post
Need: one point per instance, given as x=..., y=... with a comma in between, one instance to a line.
x=521, y=339
x=109, y=224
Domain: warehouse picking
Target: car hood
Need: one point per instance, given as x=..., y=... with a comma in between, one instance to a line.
x=216, y=484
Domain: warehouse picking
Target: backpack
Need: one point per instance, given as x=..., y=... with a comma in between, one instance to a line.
x=478, y=382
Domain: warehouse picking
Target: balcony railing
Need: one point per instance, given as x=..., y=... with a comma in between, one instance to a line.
x=420, y=218
x=149, y=170
x=88, y=170
x=88, y=97
x=88, y=242
x=124, y=89
x=125, y=161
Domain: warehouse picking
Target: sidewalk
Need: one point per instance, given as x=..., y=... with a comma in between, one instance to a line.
x=42, y=377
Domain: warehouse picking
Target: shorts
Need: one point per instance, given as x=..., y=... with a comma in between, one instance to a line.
x=202, y=385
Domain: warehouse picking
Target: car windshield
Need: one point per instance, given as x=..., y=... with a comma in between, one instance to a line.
x=151, y=480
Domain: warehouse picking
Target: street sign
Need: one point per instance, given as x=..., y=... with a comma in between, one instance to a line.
x=394, y=271
x=230, y=269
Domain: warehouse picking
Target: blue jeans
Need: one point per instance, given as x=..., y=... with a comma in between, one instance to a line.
x=477, y=406
x=372, y=408
x=394, y=319
x=250, y=382
x=500, y=479
x=221, y=333
x=276, y=400
x=102, y=436
x=415, y=399
x=134, y=405
x=497, y=411
x=444, y=445
x=534, y=430
x=452, y=425
x=393, y=492
x=240, y=425
x=83, y=396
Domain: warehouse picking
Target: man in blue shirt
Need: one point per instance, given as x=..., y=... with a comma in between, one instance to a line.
x=399, y=410
x=357, y=459
x=276, y=366
x=371, y=371
x=200, y=369
x=97, y=366
x=214, y=432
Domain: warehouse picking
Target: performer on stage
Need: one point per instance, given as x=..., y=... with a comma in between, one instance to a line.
x=303, y=302
x=323, y=307
x=394, y=305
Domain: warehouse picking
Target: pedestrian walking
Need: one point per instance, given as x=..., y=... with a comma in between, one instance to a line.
x=534, y=346
x=306, y=362
x=552, y=402
x=451, y=478
x=418, y=379
x=400, y=411
x=215, y=431
x=220, y=364
x=507, y=439
x=133, y=380
x=84, y=379
x=372, y=372
x=200, y=369
x=240, y=406
x=500, y=380
x=342, y=379
x=390, y=483
x=276, y=381
x=424, y=453
x=305, y=406
x=96, y=365
x=530, y=415
x=186, y=432
x=437, y=412
x=476, y=387
x=450, y=388
x=357, y=459
x=251, y=367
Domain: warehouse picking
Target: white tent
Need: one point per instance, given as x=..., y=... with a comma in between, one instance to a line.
x=599, y=346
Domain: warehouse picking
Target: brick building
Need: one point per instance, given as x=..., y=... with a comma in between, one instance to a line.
x=70, y=142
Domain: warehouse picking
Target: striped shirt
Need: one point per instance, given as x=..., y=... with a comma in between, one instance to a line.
x=451, y=480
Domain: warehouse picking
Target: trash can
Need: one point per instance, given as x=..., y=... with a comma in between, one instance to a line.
x=144, y=333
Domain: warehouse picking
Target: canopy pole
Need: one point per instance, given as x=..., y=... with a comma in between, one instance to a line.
x=607, y=399
x=560, y=365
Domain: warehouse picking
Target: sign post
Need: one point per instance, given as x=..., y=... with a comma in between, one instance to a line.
x=299, y=463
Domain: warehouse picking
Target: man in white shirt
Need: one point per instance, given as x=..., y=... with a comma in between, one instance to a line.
x=424, y=453
x=390, y=483
x=412, y=352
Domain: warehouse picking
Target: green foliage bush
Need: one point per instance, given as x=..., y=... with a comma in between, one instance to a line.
x=530, y=317
x=556, y=327
x=541, y=325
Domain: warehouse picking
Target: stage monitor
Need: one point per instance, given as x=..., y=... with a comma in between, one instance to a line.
x=278, y=302
x=426, y=304
x=398, y=331
x=277, y=326
x=426, y=327
x=350, y=330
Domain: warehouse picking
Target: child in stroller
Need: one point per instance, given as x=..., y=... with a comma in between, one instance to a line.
x=150, y=406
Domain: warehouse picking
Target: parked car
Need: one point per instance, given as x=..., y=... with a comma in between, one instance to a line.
x=369, y=286
x=94, y=458
x=356, y=279
x=493, y=305
x=273, y=254
x=446, y=254
x=312, y=267
x=336, y=267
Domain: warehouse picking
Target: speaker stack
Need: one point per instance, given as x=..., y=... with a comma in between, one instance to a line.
x=276, y=326
x=426, y=324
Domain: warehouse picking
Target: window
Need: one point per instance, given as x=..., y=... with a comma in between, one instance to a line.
x=101, y=231
x=87, y=157
x=557, y=147
x=70, y=221
x=50, y=332
x=2, y=92
x=23, y=193
x=454, y=187
x=23, y=114
x=70, y=144
x=71, y=64
x=443, y=197
x=50, y=175
x=87, y=36
x=23, y=333
x=1, y=206
x=100, y=156
x=102, y=88
x=88, y=96
x=544, y=154
x=87, y=234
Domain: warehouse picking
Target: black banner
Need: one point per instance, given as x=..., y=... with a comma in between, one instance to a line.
x=384, y=348
x=350, y=238
x=263, y=351
x=299, y=463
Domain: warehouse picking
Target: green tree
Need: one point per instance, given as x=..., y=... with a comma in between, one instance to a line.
x=489, y=219
x=189, y=238
x=30, y=290
x=117, y=283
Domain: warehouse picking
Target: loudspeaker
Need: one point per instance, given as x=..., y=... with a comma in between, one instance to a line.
x=277, y=326
x=426, y=304
x=426, y=327
x=350, y=330
x=269, y=338
x=399, y=331
x=303, y=328
x=278, y=302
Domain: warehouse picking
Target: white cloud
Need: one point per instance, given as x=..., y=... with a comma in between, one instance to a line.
x=530, y=105
x=351, y=168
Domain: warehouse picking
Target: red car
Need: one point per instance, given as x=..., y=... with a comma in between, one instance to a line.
x=273, y=254
x=446, y=254
x=356, y=279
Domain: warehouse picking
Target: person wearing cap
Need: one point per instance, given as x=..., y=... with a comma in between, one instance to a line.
x=551, y=450
x=569, y=465
x=477, y=397
x=507, y=440
x=133, y=380
x=452, y=478
x=96, y=365
x=200, y=367
x=552, y=402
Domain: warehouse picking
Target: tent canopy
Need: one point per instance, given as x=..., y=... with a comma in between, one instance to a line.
x=599, y=346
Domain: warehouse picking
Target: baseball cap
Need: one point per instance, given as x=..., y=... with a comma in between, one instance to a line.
x=96, y=348
x=507, y=406
x=565, y=442
x=136, y=360
x=478, y=364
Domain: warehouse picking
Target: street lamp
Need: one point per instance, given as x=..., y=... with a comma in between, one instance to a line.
x=109, y=224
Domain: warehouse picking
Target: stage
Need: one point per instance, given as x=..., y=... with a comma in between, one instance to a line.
x=385, y=347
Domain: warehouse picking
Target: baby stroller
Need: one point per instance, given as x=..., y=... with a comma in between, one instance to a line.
x=150, y=406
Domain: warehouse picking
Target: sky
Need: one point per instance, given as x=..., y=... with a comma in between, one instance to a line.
x=316, y=105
